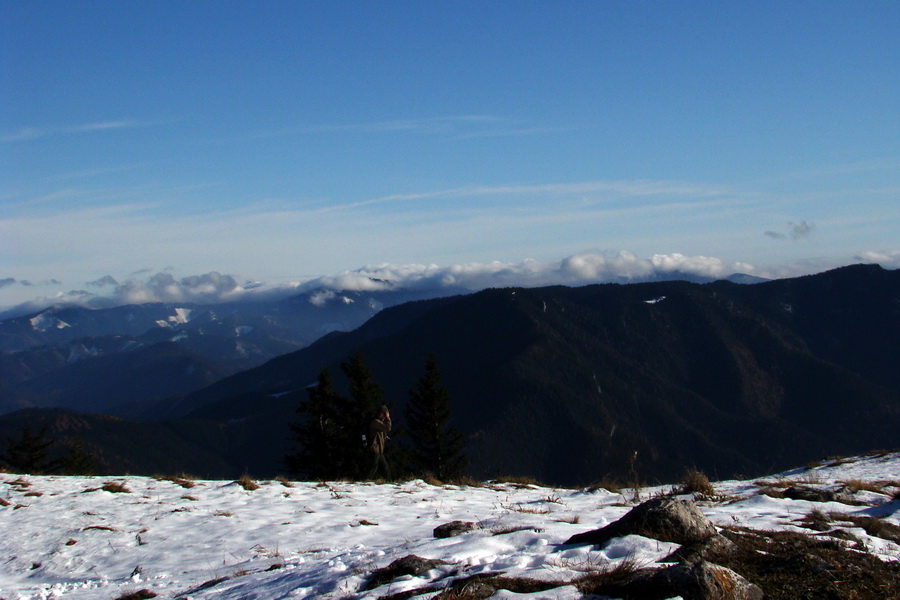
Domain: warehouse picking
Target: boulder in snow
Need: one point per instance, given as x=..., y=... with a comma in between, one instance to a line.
x=454, y=528
x=665, y=519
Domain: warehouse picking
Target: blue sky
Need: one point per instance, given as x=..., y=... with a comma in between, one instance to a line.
x=283, y=141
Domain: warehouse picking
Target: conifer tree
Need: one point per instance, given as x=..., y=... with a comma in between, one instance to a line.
x=367, y=397
x=28, y=454
x=437, y=447
x=322, y=433
x=78, y=461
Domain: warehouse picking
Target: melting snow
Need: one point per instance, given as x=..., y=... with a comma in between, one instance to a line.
x=64, y=537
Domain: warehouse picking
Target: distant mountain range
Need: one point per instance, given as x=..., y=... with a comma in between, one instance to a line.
x=571, y=385
x=113, y=359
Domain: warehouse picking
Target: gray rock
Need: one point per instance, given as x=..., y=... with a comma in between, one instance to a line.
x=408, y=565
x=454, y=528
x=714, y=546
x=705, y=581
x=666, y=519
x=805, y=492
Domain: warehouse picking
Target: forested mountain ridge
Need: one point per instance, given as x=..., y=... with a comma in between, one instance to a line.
x=567, y=384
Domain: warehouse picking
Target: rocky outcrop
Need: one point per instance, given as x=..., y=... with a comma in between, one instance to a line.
x=698, y=581
x=666, y=519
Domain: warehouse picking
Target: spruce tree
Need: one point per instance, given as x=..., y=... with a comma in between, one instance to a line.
x=322, y=433
x=437, y=447
x=367, y=398
x=78, y=461
x=28, y=454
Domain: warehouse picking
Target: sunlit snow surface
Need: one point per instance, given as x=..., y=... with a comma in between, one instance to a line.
x=63, y=537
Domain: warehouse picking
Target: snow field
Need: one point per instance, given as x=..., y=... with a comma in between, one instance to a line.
x=67, y=537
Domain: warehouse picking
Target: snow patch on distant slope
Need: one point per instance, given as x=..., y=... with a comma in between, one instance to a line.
x=181, y=316
x=43, y=322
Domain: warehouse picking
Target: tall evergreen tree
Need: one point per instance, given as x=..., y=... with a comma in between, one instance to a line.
x=367, y=397
x=28, y=454
x=437, y=447
x=323, y=433
x=78, y=461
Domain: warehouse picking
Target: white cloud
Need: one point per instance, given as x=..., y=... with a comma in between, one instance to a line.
x=577, y=269
x=888, y=260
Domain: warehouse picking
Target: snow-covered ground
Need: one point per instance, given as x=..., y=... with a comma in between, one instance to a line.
x=66, y=537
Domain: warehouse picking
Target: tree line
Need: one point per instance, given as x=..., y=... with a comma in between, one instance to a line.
x=30, y=453
x=331, y=431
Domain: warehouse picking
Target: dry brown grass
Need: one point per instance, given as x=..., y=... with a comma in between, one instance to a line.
x=797, y=566
x=525, y=509
x=99, y=528
x=518, y=481
x=696, y=482
x=115, y=487
x=185, y=481
x=247, y=483
x=610, y=485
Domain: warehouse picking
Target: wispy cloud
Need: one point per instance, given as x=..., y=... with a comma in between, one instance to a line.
x=33, y=133
x=459, y=127
x=889, y=260
x=623, y=188
x=794, y=231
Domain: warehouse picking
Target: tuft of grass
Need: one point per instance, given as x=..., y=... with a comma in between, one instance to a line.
x=876, y=527
x=284, y=481
x=99, y=528
x=852, y=486
x=247, y=483
x=223, y=513
x=464, y=480
x=430, y=479
x=696, y=482
x=515, y=529
x=610, y=485
x=115, y=487
x=603, y=577
x=816, y=520
x=529, y=510
x=573, y=520
x=520, y=481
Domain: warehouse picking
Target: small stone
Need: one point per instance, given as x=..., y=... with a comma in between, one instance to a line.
x=454, y=528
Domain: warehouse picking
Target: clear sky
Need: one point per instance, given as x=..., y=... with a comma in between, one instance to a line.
x=278, y=141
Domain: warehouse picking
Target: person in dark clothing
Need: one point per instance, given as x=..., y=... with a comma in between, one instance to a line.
x=378, y=430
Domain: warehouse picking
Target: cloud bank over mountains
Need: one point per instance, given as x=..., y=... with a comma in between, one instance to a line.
x=578, y=269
